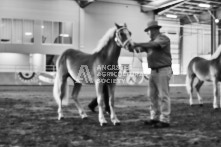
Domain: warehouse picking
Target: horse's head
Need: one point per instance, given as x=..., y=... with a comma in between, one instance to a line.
x=123, y=37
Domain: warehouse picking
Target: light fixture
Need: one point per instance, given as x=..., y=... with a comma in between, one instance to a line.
x=171, y=15
x=28, y=33
x=216, y=20
x=42, y=27
x=64, y=35
x=204, y=5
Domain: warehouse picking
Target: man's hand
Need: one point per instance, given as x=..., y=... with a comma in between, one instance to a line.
x=131, y=48
x=134, y=47
x=135, y=44
x=138, y=49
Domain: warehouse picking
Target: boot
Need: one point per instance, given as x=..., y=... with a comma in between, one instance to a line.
x=106, y=99
x=93, y=104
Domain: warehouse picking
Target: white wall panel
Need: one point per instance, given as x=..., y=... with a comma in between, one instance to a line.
x=101, y=16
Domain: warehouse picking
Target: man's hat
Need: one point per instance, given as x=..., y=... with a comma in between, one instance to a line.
x=152, y=24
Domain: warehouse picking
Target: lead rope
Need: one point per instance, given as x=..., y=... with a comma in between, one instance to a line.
x=138, y=57
x=141, y=61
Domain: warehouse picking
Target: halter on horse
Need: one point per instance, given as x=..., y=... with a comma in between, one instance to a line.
x=204, y=70
x=73, y=63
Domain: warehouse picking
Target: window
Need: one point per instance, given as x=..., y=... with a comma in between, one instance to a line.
x=58, y=32
x=6, y=30
x=16, y=31
x=47, y=31
x=28, y=29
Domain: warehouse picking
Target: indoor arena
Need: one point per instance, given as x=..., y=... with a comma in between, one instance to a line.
x=110, y=73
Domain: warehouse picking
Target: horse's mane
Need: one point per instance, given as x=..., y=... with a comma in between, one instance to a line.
x=104, y=40
x=217, y=53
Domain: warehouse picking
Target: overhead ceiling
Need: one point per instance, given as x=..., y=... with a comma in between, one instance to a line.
x=183, y=9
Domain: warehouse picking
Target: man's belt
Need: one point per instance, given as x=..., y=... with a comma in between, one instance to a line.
x=157, y=68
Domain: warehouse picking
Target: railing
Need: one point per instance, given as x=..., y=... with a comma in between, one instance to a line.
x=26, y=68
x=50, y=68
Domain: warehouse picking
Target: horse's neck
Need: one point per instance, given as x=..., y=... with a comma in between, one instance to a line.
x=219, y=58
x=110, y=52
x=217, y=53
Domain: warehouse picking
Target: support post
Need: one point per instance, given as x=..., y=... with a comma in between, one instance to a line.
x=213, y=33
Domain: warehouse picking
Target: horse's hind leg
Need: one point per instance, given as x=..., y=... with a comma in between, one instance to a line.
x=63, y=84
x=114, y=119
x=215, y=93
x=75, y=92
x=198, y=86
x=189, y=87
x=99, y=92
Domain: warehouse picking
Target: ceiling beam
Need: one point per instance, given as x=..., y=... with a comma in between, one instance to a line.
x=195, y=6
x=191, y=7
x=146, y=8
x=170, y=7
x=209, y=1
x=197, y=3
x=84, y=3
x=179, y=12
x=186, y=9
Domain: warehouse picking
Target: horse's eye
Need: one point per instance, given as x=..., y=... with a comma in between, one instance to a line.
x=130, y=33
x=121, y=33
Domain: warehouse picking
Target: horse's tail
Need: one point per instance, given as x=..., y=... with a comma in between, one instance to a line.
x=189, y=76
x=61, y=87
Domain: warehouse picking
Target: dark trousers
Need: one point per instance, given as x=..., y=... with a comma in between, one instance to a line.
x=94, y=103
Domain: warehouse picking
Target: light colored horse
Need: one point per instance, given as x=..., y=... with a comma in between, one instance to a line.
x=204, y=70
x=84, y=68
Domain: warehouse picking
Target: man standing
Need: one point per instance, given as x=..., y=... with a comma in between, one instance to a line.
x=159, y=60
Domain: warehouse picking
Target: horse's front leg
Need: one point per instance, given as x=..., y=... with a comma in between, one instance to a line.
x=215, y=93
x=99, y=92
x=114, y=119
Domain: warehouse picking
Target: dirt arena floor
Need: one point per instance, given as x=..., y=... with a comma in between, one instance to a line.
x=28, y=117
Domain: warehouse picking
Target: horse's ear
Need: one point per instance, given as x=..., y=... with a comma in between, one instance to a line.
x=118, y=26
x=125, y=25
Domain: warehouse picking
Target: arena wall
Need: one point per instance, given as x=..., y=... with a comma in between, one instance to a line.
x=89, y=25
x=47, y=78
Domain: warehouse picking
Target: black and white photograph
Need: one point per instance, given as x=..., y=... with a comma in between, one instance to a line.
x=110, y=73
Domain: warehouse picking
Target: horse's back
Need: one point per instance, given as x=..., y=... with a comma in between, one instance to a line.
x=73, y=62
x=74, y=56
x=75, y=53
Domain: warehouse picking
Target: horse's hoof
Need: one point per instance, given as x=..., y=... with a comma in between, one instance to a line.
x=84, y=118
x=201, y=105
x=61, y=118
x=215, y=109
x=117, y=124
x=103, y=124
